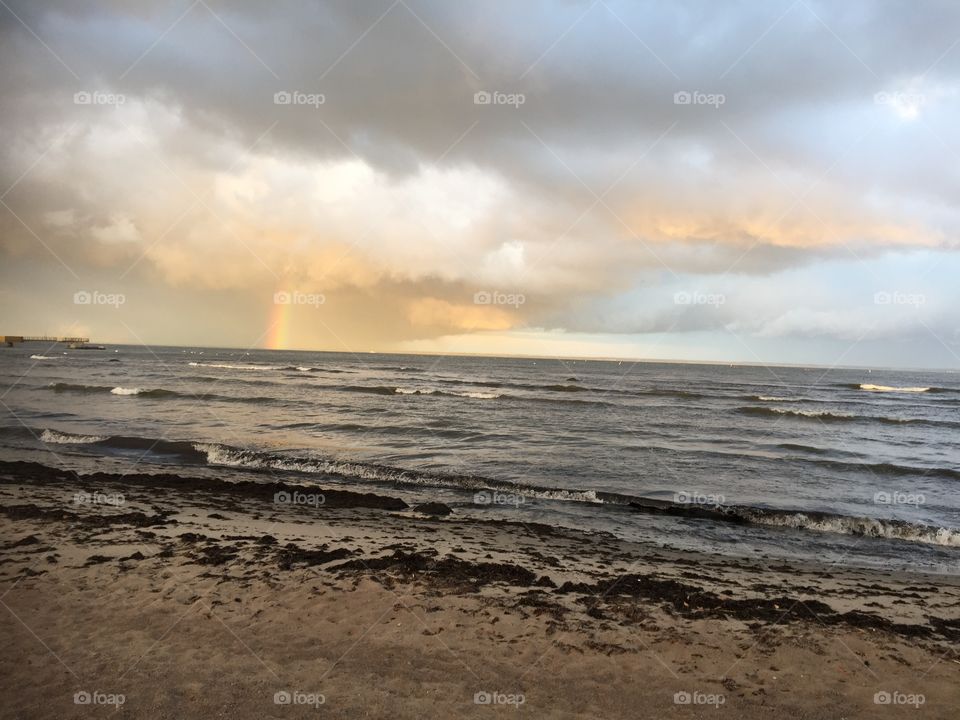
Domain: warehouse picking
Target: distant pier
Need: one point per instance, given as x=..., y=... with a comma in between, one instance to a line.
x=11, y=340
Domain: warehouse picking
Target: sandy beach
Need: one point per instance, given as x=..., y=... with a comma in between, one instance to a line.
x=159, y=596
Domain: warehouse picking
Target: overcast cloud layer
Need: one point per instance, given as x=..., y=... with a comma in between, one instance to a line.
x=751, y=181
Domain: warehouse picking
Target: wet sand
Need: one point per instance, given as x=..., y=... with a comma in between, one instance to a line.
x=184, y=597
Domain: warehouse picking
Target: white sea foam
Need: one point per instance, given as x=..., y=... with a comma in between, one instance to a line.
x=126, y=391
x=231, y=366
x=812, y=413
x=477, y=395
x=847, y=525
x=62, y=438
x=887, y=388
x=45, y=357
x=474, y=394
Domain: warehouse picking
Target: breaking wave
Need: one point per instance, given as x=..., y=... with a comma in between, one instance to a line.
x=887, y=388
x=826, y=416
x=484, y=488
x=153, y=393
x=822, y=415
x=63, y=438
x=869, y=387
x=387, y=390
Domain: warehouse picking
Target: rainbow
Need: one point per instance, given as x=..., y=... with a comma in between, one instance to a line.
x=278, y=329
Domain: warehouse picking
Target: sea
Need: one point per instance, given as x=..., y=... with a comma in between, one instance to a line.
x=845, y=467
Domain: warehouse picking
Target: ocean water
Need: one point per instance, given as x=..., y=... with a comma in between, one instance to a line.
x=850, y=467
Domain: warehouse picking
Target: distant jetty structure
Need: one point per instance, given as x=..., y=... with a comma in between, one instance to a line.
x=11, y=340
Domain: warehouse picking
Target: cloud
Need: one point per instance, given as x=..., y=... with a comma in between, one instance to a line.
x=378, y=178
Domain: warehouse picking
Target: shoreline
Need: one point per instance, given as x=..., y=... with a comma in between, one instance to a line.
x=532, y=605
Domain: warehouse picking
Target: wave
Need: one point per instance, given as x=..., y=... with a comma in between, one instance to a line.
x=869, y=387
x=570, y=387
x=487, y=490
x=171, y=450
x=554, y=388
x=72, y=387
x=46, y=357
x=808, y=414
x=773, y=398
x=218, y=454
x=887, y=388
x=891, y=469
x=562, y=388
x=804, y=448
x=386, y=390
x=129, y=391
x=232, y=366
x=266, y=368
x=154, y=393
x=849, y=525
x=63, y=438
x=826, y=416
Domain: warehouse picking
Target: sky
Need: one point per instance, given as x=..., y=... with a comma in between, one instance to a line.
x=771, y=182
